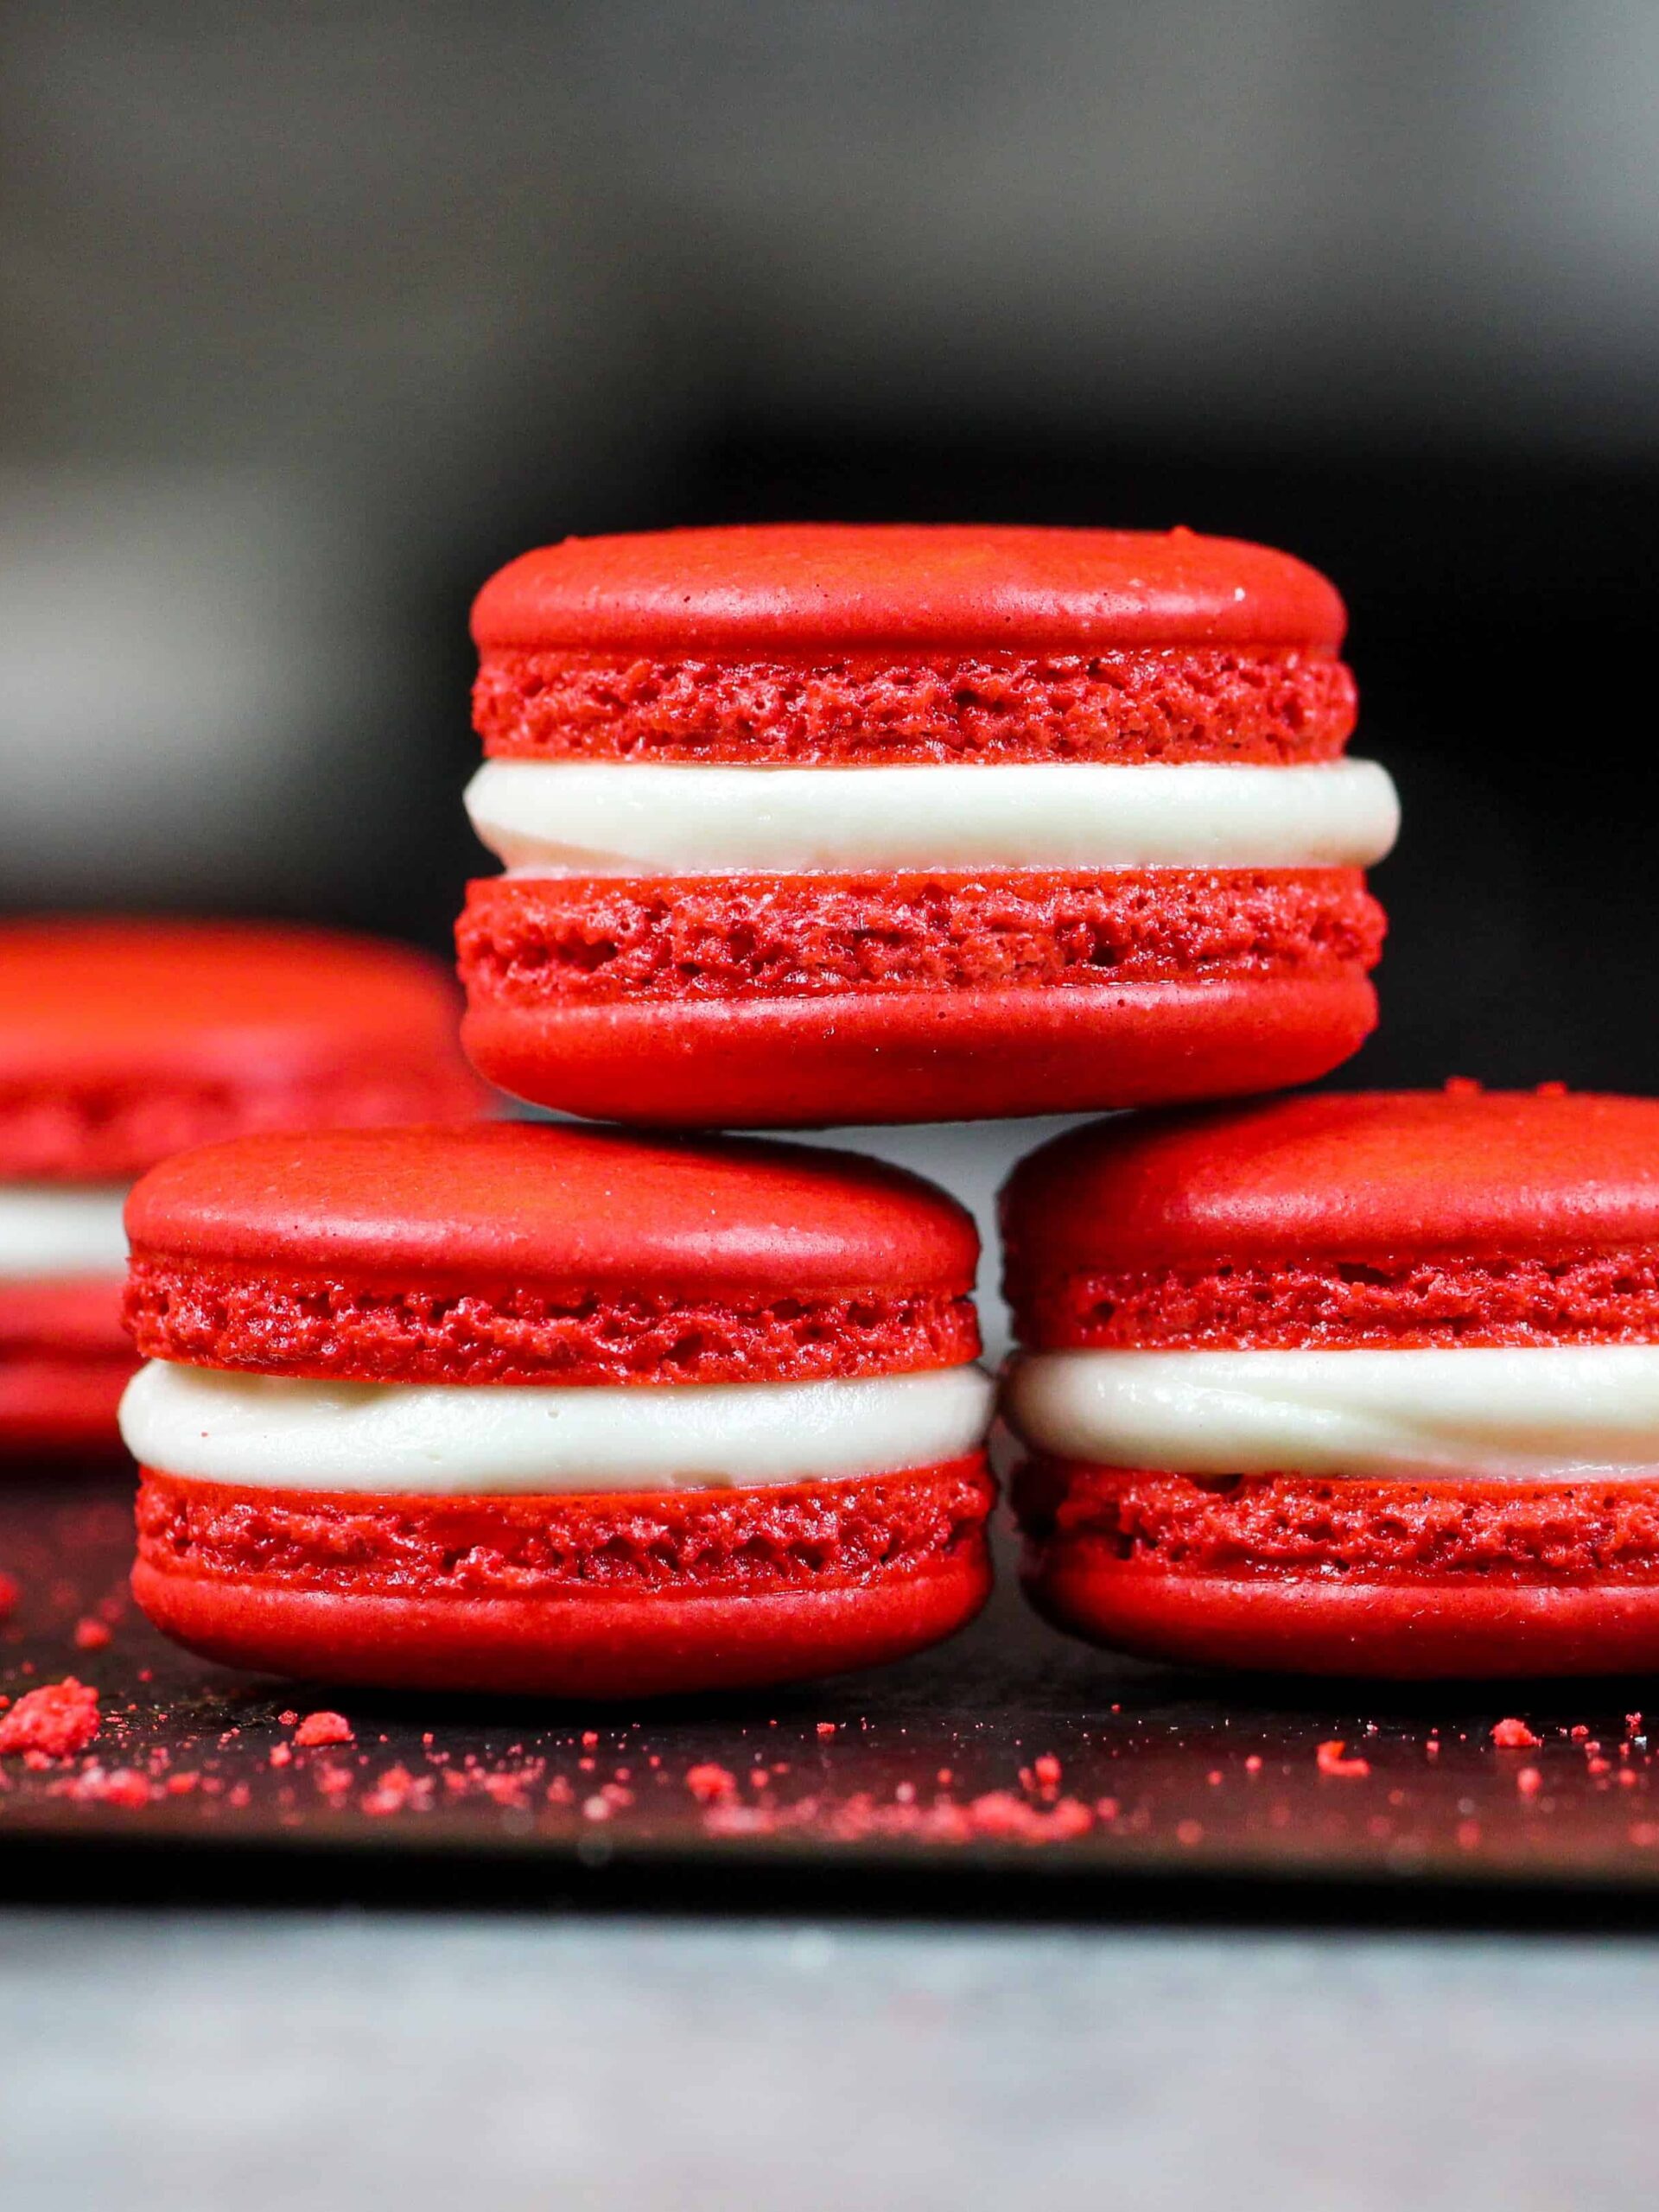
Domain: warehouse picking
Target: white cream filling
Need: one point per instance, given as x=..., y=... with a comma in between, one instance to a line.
x=544, y=817
x=454, y=1439
x=1543, y=1414
x=57, y=1228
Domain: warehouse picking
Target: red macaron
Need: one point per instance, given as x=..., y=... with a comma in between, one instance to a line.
x=818, y=824
x=123, y=1040
x=554, y=1410
x=1363, y=1384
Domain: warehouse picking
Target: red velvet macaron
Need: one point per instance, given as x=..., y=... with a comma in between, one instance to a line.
x=553, y=1410
x=1362, y=1384
x=814, y=823
x=123, y=1040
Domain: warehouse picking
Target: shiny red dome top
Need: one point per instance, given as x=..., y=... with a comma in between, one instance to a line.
x=555, y=1209
x=1361, y=1176
x=804, y=588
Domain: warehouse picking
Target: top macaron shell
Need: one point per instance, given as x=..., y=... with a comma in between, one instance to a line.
x=123, y=1040
x=1460, y=1216
x=807, y=588
x=507, y=1253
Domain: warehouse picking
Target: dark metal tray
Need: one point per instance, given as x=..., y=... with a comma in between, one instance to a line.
x=1007, y=1765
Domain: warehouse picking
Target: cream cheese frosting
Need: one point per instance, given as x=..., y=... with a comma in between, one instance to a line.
x=493, y=1439
x=61, y=1230
x=626, y=818
x=1491, y=1414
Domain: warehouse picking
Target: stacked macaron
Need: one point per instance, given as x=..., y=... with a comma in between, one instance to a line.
x=820, y=824
x=121, y=1041
x=552, y=1410
x=799, y=825
x=1358, y=1384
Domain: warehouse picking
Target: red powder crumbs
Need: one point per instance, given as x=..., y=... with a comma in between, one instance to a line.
x=9, y=1593
x=1253, y=1764
x=1514, y=1735
x=1632, y=1723
x=1329, y=1760
x=1598, y=1766
x=56, y=1719
x=826, y=1728
x=589, y=1738
x=282, y=1754
x=288, y=1717
x=124, y=1786
x=1189, y=1832
x=1528, y=1781
x=1046, y=1768
x=91, y=1635
x=708, y=1783
x=319, y=1728
x=1578, y=1733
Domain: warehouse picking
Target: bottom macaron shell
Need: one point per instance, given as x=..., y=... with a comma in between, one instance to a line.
x=1393, y=1582
x=64, y=1360
x=636, y=1595
x=922, y=1055
x=60, y=1404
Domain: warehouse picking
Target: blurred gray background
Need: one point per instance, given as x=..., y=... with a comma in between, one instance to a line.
x=315, y=314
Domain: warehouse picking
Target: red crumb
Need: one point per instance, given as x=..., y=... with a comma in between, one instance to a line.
x=1578, y=1733
x=319, y=1728
x=1106, y=1808
x=395, y=1787
x=281, y=1754
x=287, y=1717
x=180, y=1785
x=9, y=1593
x=710, y=1782
x=595, y=1808
x=826, y=1728
x=91, y=1635
x=1598, y=1766
x=1528, y=1781
x=122, y=1787
x=1046, y=1768
x=1189, y=1832
x=589, y=1738
x=1253, y=1764
x=1512, y=1735
x=1627, y=1778
x=1329, y=1760
x=56, y=1719
x=1632, y=1723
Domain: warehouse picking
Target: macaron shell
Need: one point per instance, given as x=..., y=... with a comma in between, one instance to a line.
x=921, y=1055
x=753, y=1612
x=1383, y=1632
x=1350, y=1177
x=566, y=1208
x=122, y=1041
x=819, y=587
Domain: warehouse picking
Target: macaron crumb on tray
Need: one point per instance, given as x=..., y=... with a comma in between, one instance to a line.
x=1004, y=1769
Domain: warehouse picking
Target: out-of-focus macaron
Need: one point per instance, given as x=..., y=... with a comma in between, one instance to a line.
x=1363, y=1385
x=122, y=1041
x=818, y=824
x=554, y=1410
